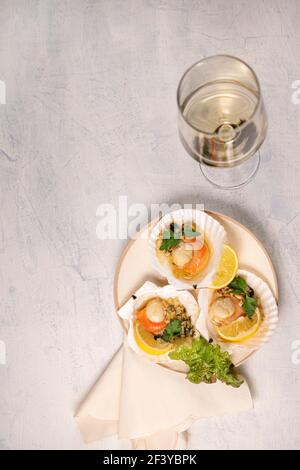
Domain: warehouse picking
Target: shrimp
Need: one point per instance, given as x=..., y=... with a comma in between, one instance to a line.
x=198, y=262
x=153, y=327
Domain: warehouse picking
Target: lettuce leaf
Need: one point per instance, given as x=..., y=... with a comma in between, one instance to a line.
x=207, y=363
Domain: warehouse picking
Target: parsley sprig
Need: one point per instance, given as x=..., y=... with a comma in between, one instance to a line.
x=172, y=236
x=239, y=286
x=189, y=232
x=172, y=329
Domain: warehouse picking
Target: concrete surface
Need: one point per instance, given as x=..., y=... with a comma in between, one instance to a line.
x=90, y=115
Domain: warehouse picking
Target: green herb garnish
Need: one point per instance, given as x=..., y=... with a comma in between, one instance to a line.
x=189, y=232
x=173, y=329
x=171, y=238
x=207, y=363
x=249, y=305
x=239, y=286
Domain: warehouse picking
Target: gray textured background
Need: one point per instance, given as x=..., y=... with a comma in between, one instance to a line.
x=90, y=116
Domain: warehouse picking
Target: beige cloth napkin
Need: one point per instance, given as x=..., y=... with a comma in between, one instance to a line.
x=151, y=405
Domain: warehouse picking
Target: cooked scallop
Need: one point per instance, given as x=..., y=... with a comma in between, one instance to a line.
x=155, y=310
x=221, y=308
x=182, y=254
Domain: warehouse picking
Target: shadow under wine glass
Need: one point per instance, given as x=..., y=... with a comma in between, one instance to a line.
x=222, y=120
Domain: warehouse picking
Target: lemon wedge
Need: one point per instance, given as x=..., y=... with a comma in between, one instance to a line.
x=240, y=329
x=227, y=268
x=145, y=340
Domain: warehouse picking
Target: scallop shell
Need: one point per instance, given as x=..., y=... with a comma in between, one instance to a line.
x=268, y=307
x=186, y=298
x=214, y=232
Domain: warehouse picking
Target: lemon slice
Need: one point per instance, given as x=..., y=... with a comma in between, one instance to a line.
x=145, y=340
x=240, y=329
x=227, y=268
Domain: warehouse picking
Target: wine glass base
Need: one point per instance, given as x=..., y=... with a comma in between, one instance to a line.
x=232, y=177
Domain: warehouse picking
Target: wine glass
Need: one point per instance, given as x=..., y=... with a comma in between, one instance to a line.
x=222, y=120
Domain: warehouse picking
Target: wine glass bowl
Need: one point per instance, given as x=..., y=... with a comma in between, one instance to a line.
x=222, y=120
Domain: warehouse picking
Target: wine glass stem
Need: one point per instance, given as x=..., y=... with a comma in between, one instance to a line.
x=231, y=177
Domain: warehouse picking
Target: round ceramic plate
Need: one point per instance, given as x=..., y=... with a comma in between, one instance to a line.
x=134, y=267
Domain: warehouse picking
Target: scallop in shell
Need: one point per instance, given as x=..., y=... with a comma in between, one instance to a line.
x=151, y=300
x=268, y=310
x=210, y=241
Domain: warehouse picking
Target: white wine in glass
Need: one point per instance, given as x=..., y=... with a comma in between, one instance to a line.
x=222, y=120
